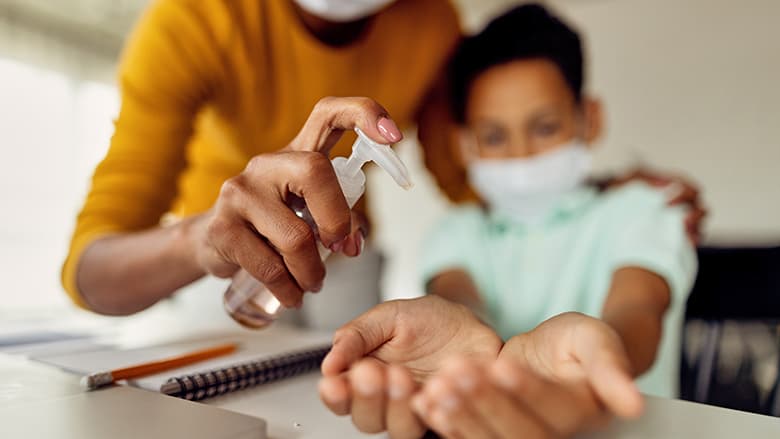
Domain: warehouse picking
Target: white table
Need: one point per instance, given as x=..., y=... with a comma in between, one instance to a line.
x=292, y=408
x=286, y=404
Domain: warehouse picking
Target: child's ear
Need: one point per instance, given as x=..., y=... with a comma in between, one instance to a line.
x=465, y=146
x=594, y=119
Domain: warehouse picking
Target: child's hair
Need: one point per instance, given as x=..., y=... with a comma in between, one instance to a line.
x=524, y=32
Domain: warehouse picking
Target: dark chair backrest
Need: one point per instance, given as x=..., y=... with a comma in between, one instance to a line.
x=736, y=283
x=737, y=291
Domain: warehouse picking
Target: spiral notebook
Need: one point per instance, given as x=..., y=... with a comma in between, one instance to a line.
x=215, y=382
x=262, y=358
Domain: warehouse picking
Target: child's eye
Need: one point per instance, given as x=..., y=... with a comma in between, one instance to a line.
x=492, y=138
x=546, y=129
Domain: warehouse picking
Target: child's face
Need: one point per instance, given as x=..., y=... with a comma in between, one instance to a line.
x=523, y=108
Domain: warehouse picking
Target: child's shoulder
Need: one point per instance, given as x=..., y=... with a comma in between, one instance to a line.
x=632, y=203
x=633, y=199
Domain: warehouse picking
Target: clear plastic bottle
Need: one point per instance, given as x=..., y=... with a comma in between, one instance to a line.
x=247, y=300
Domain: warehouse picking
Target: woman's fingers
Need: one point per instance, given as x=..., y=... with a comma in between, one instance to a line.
x=401, y=422
x=252, y=226
x=234, y=242
x=354, y=243
x=332, y=116
x=681, y=191
x=309, y=176
x=289, y=235
x=693, y=222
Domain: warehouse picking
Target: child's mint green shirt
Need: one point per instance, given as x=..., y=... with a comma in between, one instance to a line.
x=528, y=273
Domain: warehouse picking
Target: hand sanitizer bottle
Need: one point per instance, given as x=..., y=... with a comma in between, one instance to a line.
x=247, y=300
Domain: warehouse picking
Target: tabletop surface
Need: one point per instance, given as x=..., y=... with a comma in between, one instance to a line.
x=39, y=401
x=292, y=409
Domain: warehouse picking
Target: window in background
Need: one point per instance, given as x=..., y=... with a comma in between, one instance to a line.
x=53, y=130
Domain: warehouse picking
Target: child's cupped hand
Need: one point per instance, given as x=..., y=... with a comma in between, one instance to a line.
x=379, y=360
x=569, y=375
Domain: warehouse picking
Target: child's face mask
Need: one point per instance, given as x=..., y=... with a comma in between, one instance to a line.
x=527, y=189
x=342, y=11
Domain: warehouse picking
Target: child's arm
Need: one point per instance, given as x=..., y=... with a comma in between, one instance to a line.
x=635, y=307
x=457, y=286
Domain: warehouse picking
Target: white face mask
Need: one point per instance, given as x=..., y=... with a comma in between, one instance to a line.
x=528, y=189
x=342, y=11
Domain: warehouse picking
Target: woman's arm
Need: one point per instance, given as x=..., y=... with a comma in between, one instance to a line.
x=124, y=273
x=250, y=226
x=120, y=259
x=635, y=308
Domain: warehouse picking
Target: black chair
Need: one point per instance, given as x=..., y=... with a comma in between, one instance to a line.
x=737, y=289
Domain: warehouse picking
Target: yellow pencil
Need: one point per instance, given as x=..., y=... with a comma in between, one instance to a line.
x=100, y=379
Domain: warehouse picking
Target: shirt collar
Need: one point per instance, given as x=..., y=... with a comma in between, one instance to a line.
x=568, y=205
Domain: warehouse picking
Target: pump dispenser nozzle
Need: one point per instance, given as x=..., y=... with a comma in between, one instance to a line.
x=247, y=300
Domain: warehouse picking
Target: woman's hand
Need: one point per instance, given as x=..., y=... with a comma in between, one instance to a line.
x=378, y=359
x=251, y=225
x=568, y=375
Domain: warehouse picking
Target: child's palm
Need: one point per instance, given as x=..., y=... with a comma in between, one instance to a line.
x=418, y=334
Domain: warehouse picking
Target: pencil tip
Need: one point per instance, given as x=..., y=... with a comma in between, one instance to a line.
x=96, y=380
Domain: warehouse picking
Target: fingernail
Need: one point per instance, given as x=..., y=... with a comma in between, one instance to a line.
x=448, y=402
x=673, y=190
x=317, y=288
x=440, y=422
x=360, y=243
x=504, y=377
x=366, y=388
x=506, y=381
x=389, y=129
x=466, y=383
x=419, y=405
x=396, y=392
x=336, y=247
x=353, y=248
x=329, y=392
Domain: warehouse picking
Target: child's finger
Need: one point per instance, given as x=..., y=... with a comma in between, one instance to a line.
x=608, y=372
x=335, y=394
x=449, y=415
x=615, y=388
x=564, y=408
x=497, y=409
x=367, y=380
x=401, y=422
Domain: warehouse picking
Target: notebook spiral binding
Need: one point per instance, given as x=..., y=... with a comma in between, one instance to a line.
x=198, y=386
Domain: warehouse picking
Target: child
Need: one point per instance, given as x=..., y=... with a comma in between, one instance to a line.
x=543, y=241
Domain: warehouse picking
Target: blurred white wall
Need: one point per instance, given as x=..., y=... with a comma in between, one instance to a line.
x=690, y=86
x=57, y=103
